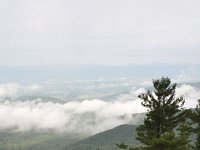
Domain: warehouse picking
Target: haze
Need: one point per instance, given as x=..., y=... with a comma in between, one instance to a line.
x=79, y=65
x=114, y=32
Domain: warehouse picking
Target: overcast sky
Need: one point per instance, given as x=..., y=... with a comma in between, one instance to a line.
x=114, y=32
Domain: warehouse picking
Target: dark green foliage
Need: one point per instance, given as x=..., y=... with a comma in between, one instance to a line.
x=126, y=147
x=197, y=143
x=122, y=146
x=165, y=113
x=197, y=120
x=195, y=117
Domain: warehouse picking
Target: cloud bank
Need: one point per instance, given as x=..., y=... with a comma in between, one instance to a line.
x=190, y=93
x=14, y=89
x=87, y=116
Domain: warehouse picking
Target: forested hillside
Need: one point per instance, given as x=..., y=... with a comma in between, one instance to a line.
x=107, y=140
x=36, y=140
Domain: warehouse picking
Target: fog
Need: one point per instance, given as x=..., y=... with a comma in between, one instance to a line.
x=86, y=116
x=14, y=89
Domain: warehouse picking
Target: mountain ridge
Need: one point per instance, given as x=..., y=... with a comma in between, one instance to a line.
x=108, y=139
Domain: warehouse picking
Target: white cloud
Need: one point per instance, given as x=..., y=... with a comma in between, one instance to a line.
x=87, y=116
x=147, y=83
x=185, y=76
x=190, y=93
x=133, y=94
x=15, y=89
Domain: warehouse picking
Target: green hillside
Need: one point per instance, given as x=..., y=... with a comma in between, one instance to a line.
x=106, y=140
x=55, y=141
x=49, y=140
x=36, y=140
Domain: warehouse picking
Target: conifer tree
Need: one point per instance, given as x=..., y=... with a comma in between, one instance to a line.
x=165, y=113
x=195, y=117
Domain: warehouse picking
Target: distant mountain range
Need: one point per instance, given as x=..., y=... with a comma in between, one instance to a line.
x=85, y=72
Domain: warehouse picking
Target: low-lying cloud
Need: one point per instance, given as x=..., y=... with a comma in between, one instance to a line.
x=87, y=116
x=15, y=89
x=190, y=93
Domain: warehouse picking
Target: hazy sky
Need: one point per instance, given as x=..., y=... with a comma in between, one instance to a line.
x=35, y=32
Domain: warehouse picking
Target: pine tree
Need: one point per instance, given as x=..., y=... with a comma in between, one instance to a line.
x=165, y=113
x=195, y=117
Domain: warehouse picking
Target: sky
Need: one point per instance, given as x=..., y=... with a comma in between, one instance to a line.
x=109, y=32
